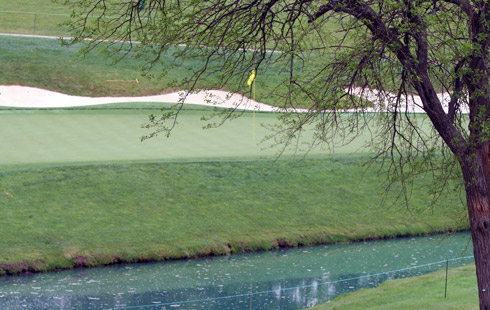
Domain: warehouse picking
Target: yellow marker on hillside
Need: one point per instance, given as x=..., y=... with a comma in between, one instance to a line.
x=251, y=82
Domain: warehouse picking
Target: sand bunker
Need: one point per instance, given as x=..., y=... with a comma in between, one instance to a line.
x=30, y=97
x=386, y=101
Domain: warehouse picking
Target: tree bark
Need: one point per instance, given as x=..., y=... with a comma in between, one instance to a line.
x=475, y=167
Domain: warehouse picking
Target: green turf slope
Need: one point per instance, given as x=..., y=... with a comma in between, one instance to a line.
x=66, y=216
x=423, y=293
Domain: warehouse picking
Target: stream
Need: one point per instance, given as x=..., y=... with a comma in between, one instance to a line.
x=283, y=279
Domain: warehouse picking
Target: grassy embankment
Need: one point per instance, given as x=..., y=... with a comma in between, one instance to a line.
x=423, y=292
x=47, y=64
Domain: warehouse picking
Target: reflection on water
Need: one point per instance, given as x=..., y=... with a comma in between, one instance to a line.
x=285, y=279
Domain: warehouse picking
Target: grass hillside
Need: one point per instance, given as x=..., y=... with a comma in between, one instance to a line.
x=60, y=217
x=47, y=64
x=423, y=292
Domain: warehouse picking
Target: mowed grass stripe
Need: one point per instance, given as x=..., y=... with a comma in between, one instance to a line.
x=25, y=23
x=71, y=136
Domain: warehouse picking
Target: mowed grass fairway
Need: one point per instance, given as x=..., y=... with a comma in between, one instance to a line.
x=20, y=17
x=78, y=136
x=86, y=191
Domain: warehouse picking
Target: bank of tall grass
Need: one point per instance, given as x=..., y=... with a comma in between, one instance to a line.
x=88, y=215
x=424, y=292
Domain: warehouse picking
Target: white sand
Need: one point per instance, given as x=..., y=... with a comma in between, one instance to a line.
x=385, y=101
x=30, y=97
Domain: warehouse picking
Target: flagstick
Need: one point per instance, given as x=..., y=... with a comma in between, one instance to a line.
x=254, y=110
x=251, y=83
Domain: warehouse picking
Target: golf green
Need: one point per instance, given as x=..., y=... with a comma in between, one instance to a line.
x=57, y=137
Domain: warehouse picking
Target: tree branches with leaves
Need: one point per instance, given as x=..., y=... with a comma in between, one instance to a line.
x=330, y=57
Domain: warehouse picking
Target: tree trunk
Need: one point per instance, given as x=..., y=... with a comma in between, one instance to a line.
x=476, y=168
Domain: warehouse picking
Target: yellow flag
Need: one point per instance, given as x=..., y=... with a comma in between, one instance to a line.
x=251, y=78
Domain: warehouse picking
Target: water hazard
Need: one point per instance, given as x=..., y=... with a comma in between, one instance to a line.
x=285, y=279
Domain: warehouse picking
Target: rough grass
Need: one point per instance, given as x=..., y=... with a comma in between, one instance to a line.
x=63, y=217
x=47, y=64
x=423, y=292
